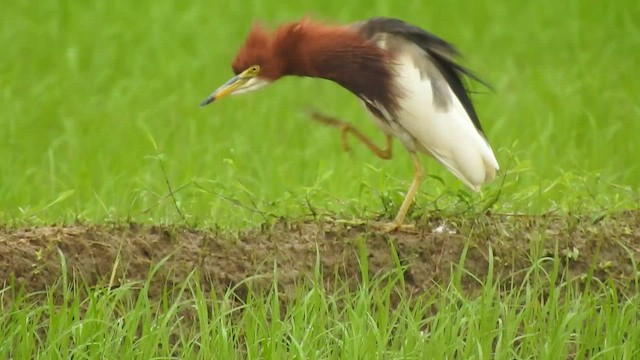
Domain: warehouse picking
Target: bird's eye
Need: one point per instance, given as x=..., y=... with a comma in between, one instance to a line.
x=251, y=71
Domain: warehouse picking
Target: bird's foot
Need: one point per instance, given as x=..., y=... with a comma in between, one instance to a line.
x=344, y=132
x=354, y=222
x=346, y=128
x=387, y=228
x=381, y=227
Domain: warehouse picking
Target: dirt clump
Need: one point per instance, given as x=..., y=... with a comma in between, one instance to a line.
x=605, y=247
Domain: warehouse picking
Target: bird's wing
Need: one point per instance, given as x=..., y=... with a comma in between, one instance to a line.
x=440, y=54
x=434, y=112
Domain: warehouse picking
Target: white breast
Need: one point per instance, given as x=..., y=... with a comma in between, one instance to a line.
x=444, y=132
x=447, y=134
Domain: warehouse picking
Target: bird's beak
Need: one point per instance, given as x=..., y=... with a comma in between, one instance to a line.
x=239, y=83
x=234, y=84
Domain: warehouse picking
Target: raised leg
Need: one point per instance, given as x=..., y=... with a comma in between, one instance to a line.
x=418, y=176
x=346, y=128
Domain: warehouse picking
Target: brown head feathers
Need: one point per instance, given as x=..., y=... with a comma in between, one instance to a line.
x=310, y=48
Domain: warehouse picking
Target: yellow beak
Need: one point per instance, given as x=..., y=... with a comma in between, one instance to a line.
x=235, y=84
x=227, y=88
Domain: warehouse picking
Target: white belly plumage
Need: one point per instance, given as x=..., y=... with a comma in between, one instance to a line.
x=444, y=132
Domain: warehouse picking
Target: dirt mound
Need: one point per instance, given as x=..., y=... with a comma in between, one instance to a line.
x=605, y=246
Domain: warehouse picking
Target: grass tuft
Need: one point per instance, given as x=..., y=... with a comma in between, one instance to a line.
x=545, y=316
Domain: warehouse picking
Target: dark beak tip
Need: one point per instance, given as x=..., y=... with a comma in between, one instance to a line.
x=207, y=101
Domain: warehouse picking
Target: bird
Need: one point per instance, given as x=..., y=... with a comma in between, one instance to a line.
x=408, y=80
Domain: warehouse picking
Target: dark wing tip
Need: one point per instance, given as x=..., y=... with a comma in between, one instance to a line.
x=442, y=52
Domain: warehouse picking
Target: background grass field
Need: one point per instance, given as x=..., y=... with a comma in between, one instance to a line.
x=96, y=96
x=99, y=116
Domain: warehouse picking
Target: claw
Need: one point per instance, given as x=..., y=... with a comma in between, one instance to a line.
x=345, y=138
x=387, y=228
x=346, y=128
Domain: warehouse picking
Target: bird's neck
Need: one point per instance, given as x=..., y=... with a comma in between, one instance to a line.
x=342, y=55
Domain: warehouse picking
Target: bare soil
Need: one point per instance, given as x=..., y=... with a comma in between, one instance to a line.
x=606, y=247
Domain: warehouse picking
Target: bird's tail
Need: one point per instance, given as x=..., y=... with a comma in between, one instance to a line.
x=473, y=162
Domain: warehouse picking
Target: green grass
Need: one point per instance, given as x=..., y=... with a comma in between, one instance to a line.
x=94, y=93
x=100, y=122
x=545, y=317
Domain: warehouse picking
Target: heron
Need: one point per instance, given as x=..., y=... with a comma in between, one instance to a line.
x=408, y=80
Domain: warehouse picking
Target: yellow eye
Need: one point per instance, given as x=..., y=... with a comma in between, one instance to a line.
x=251, y=71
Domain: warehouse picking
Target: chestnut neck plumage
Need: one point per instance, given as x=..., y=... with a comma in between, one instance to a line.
x=339, y=54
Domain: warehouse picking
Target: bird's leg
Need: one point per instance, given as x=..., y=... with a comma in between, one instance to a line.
x=418, y=176
x=346, y=128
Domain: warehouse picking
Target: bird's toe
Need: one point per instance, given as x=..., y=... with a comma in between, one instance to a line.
x=387, y=228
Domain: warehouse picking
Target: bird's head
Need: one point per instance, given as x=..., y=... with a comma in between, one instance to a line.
x=257, y=64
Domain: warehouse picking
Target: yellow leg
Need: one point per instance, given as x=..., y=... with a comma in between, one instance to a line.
x=418, y=176
x=383, y=153
x=346, y=128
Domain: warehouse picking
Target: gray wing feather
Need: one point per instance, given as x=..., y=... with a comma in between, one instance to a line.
x=441, y=52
